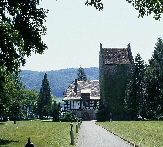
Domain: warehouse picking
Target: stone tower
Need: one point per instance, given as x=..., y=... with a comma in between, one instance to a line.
x=114, y=71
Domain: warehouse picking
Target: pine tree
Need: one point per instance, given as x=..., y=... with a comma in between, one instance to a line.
x=135, y=92
x=44, y=101
x=154, y=80
x=81, y=76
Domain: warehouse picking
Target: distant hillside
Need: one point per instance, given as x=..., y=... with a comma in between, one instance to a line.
x=59, y=79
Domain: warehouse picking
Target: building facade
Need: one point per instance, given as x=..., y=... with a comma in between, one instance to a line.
x=82, y=97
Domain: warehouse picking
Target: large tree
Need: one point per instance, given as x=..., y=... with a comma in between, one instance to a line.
x=6, y=91
x=44, y=103
x=11, y=97
x=135, y=92
x=154, y=80
x=21, y=28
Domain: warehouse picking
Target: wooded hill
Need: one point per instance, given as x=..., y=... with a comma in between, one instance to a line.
x=59, y=79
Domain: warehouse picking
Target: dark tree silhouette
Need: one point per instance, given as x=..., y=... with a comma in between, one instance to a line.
x=81, y=76
x=44, y=101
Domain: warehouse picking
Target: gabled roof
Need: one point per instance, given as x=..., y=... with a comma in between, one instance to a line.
x=92, y=87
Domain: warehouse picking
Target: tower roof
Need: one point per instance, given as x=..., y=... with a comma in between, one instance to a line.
x=117, y=55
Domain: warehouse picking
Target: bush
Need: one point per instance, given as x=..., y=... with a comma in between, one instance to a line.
x=101, y=114
x=69, y=116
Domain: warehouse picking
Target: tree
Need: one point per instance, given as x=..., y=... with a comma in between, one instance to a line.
x=81, y=76
x=44, y=101
x=144, y=7
x=16, y=107
x=154, y=80
x=10, y=96
x=6, y=92
x=21, y=28
x=29, y=102
x=55, y=111
x=135, y=92
x=148, y=7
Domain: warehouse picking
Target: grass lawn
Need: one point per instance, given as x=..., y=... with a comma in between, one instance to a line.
x=42, y=134
x=141, y=133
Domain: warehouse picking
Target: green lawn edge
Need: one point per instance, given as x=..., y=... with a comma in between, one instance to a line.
x=138, y=133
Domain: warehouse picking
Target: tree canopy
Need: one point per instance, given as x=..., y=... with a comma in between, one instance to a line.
x=148, y=7
x=144, y=7
x=21, y=28
x=96, y=3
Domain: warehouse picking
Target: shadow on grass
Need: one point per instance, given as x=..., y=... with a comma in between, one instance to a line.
x=4, y=142
x=47, y=121
x=2, y=123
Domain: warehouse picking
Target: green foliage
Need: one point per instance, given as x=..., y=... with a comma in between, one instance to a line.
x=143, y=7
x=6, y=91
x=44, y=101
x=15, y=101
x=69, y=116
x=15, y=110
x=135, y=91
x=101, y=114
x=56, y=111
x=144, y=93
x=154, y=81
x=21, y=28
x=95, y=3
x=148, y=7
x=81, y=76
x=140, y=133
x=11, y=94
x=29, y=102
x=113, y=90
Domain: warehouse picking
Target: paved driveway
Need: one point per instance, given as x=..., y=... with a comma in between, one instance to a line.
x=92, y=135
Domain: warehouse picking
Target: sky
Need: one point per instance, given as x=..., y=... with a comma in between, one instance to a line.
x=75, y=31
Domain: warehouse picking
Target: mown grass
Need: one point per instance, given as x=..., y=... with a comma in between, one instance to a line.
x=42, y=134
x=141, y=133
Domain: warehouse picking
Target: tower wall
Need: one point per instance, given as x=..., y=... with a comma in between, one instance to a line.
x=114, y=72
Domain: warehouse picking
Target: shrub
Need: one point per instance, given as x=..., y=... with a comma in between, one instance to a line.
x=69, y=116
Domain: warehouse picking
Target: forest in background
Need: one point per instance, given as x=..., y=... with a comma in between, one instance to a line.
x=59, y=80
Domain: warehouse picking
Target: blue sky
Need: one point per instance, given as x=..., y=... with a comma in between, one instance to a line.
x=75, y=32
